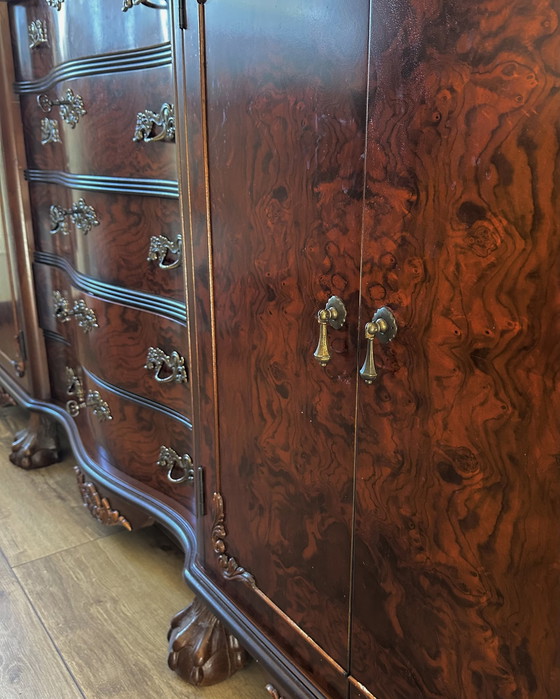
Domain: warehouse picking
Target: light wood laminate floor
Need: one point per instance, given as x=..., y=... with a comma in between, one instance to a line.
x=84, y=609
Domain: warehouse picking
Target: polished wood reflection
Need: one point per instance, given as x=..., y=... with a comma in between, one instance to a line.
x=457, y=583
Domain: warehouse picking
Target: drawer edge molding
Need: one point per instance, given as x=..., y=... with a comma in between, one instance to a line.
x=139, y=400
x=117, y=62
x=174, y=310
x=168, y=189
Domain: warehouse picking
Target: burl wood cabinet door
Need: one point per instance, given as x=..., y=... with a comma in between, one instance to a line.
x=457, y=563
x=286, y=96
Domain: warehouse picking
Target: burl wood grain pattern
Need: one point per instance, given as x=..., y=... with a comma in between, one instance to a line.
x=286, y=173
x=458, y=494
x=116, y=250
x=81, y=28
x=131, y=442
x=101, y=143
x=116, y=351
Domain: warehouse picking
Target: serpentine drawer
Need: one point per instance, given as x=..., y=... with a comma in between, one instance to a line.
x=77, y=29
x=115, y=250
x=98, y=132
x=139, y=351
x=121, y=432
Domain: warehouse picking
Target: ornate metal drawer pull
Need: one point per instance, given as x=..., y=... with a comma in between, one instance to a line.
x=49, y=131
x=87, y=320
x=127, y=4
x=148, y=121
x=71, y=106
x=161, y=247
x=382, y=326
x=174, y=364
x=81, y=215
x=57, y=4
x=37, y=31
x=93, y=400
x=170, y=460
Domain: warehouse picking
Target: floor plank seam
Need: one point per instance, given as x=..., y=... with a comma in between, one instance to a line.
x=46, y=630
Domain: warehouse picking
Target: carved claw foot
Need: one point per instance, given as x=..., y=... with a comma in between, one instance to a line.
x=36, y=445
x=201, y=649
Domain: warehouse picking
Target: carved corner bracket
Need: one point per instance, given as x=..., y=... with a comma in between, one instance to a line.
x=229, y=566
x=201, y=650
x=99, y=507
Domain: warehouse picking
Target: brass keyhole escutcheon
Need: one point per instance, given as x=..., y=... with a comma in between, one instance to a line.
x=334, y=314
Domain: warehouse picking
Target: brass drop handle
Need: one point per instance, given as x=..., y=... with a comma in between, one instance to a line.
x=85, y=316
x=334, y=314
x=161, y=248
x=382, y=326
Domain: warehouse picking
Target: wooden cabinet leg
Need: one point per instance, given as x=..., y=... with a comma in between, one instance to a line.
x=201, y=650
x=36, y=445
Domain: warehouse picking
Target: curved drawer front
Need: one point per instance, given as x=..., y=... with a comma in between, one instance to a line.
x=116, y=249
x=80, y=28
x=131, y=440
x=113, y=340
x=117, y=351
x=101, y=142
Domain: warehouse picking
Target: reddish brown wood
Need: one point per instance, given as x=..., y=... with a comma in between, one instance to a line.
x=36, y=445
x=116, y=350
x=116, y=250
x=96, y=29
x=101, y=143
x=201, y=650
x=131, y=441
x=457, y=588
x=285, y=166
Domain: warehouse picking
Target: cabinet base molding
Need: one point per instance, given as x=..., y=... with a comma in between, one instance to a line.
x=36, y=445
x=201, y=650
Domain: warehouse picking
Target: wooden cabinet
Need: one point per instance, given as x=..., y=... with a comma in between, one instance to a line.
x=392, y=536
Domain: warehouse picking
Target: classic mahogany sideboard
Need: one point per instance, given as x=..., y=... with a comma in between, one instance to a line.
x=288, y=275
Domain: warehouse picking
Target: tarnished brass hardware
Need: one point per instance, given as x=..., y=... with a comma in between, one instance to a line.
x=93, y=400
x=170, y=460
x=127, y=4
x=174, y=364
x=98, y=406
x=161, y=247
x=382, y=326
x=81, y=214
x=71, y=106
x=61, y=305
x=57, y=4
x=334, y=314
x=86, y=318
x=37, y=31
x=49, y=131
x=148, y=121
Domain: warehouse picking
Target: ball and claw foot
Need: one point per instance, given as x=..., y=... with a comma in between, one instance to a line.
x=36, y=445
x=201, y=650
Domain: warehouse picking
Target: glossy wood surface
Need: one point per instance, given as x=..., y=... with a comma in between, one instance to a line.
x=131, y=441
x=81, y=28
x=285, y=168
x=101, y=143
x=457, y=582
x=116, y=350
x=116, y=250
